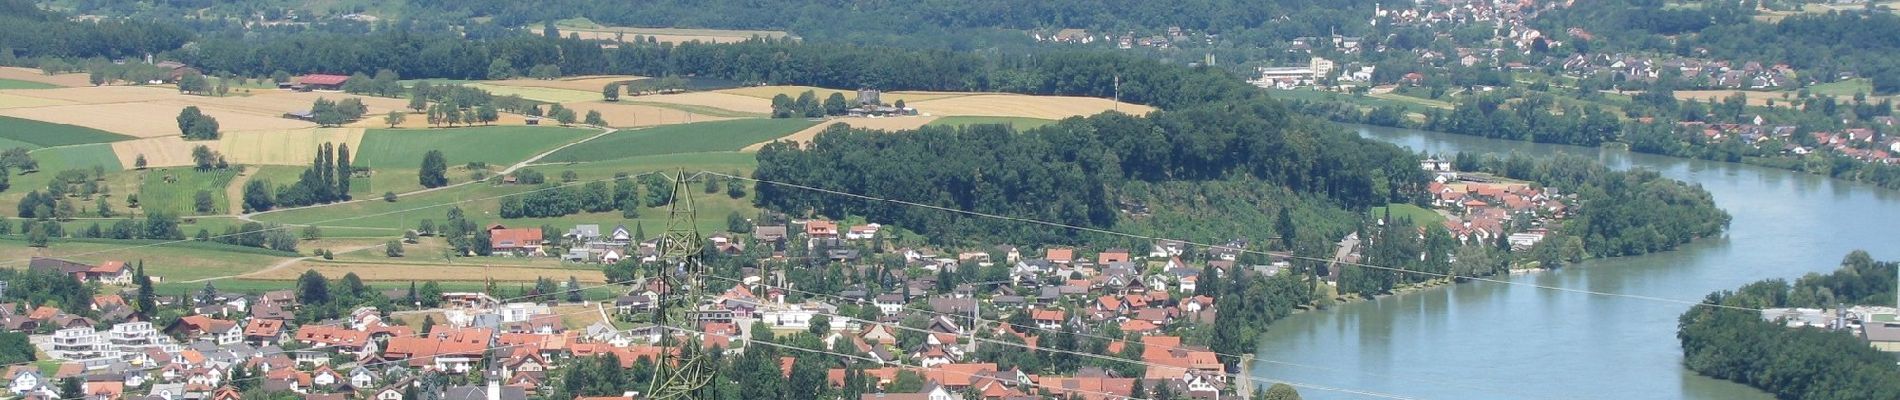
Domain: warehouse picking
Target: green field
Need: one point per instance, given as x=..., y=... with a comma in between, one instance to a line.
x=1020, y=123
x=176, y=196
x=171, y=263
x=696, y=109
x=6, y=84
x=675, y=139
x=481, y=201
x=82, y=157
x=36, y=134
x=280, y=175
x=1419, y=215
x=1845, y=88
x=394, y=155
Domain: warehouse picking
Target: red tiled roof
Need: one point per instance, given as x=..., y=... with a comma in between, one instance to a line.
x=263, y=327
x=322, y=79
x=514, y=238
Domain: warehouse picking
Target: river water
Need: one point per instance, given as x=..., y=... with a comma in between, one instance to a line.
x=1497, y=341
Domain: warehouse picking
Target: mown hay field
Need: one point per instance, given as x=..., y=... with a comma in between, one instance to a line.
x=688, y=138
x=34, y=75
x=149, y=119
x=166, y=151
x=1019, y=123
x=10, y=100
x=286, y=147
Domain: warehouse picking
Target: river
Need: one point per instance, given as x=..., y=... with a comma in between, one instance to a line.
x=1498, y=341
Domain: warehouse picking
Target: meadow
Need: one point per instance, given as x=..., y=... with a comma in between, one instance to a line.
x=20, y=132
x=688, y=138
x=169, y=262
x=81, y=157
x=9, y=84
x=480, y=201
x=394, y=155
x=1419, y=215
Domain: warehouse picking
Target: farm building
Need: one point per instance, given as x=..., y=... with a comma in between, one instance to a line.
x=321, y=82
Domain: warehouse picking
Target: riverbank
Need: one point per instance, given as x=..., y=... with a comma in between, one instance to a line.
x=1450, y=342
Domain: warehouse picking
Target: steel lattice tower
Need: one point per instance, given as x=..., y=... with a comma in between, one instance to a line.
x=680, y=272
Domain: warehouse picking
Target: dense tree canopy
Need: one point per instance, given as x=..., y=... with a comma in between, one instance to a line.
x=1794, y=363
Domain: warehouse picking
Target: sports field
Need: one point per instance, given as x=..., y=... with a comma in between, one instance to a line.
x=688, y=138
x=173, y=190
x=36, y=134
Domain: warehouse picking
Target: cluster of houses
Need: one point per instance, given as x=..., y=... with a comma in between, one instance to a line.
x=367, y=354
x=1696, y=72
x=1479, y=210
x=1864, y=144
x=1172, y=37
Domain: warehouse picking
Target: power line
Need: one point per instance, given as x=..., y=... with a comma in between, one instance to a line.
x=919, y=367
x=1250, y=251
x=1082, y=334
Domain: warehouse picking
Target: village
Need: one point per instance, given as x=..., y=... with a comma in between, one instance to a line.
x=507, y=348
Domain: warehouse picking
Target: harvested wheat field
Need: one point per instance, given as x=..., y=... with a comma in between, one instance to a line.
x=286, y=147
x=592, y=83
x=103, y=94
x=1013, y=105
x=34, y=75
x=149, y=119
x=167, y=151
x=17, y=101
x=405, y=270
x=887, y=124
x=767, y=92
x=724, y=101
x=634, y=115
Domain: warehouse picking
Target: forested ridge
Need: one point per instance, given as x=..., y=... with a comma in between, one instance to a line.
x=1071, y=172
x=1795, y=363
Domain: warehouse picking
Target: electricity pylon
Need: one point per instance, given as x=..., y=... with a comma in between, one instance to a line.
x=680, y=276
